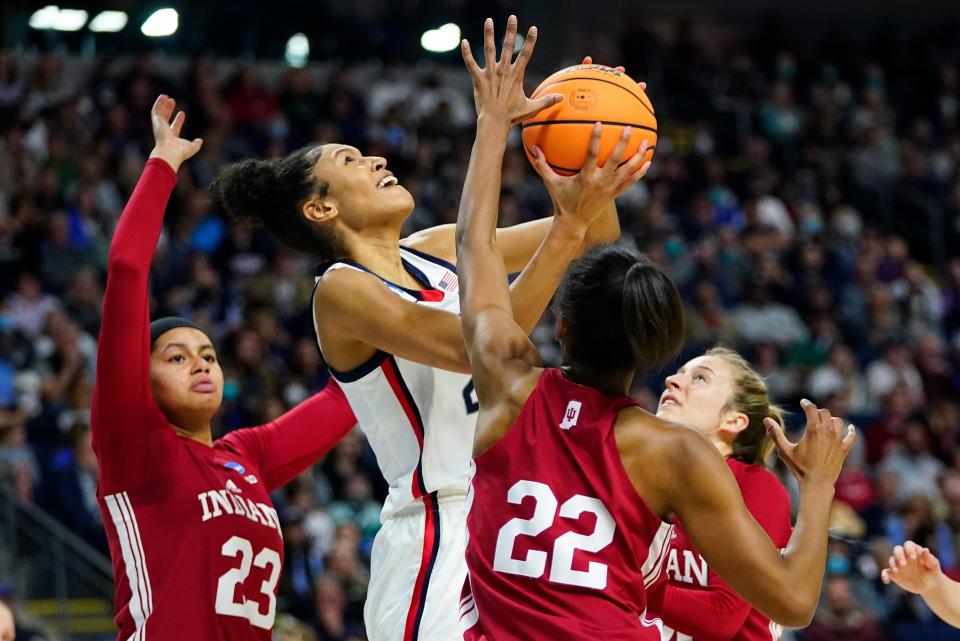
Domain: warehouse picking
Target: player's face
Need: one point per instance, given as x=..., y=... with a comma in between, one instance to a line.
x=361, y=188
x=698, y=394
x=185, y=374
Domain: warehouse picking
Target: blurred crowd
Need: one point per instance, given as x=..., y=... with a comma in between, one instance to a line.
x=805, y=198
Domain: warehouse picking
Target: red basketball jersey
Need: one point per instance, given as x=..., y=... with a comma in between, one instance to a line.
x=697, y=604
x=195, y=541
x=561, y=546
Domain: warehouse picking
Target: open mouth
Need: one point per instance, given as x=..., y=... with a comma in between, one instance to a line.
x=669, y=401
x=387, y=181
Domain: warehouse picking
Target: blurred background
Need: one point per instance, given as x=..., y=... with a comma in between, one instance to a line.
x=805, y=196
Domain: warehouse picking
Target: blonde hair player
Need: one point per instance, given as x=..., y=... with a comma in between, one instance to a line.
x=725, y=399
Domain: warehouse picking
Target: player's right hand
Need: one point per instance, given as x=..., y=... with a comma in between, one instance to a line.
x=913, y=568
x=819, y=454
x=498, y=87
x=585, y=195
x=169, y=146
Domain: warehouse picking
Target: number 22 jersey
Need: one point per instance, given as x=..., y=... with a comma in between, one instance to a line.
x=561, y=546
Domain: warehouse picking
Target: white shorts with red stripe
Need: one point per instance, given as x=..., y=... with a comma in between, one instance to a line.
x=417, y=571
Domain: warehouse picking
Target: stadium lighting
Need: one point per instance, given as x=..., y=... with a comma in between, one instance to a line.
x=108, y=22
x=44, y=18
x=298, y=50
x=162, y=22
x=70, y=20
x=441, y=39
x=53, y=17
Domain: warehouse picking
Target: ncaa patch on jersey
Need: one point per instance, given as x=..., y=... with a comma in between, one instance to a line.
x=236, y=467
x=571, y=415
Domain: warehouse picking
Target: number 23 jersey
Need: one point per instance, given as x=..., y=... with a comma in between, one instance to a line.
x=196, y=553
x=561, y=546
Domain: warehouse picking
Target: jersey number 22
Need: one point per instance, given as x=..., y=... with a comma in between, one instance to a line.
x=534, y=564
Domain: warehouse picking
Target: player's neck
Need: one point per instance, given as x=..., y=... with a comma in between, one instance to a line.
x=726, y=449
x=610, y=383
x=201, y=435
x=381, y=255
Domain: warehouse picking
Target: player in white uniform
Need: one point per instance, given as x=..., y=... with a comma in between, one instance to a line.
x=386, y=317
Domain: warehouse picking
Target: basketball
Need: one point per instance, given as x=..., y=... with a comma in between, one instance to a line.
x=592, y=93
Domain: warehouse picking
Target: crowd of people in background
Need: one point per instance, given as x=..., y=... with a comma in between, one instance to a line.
x=806, y=201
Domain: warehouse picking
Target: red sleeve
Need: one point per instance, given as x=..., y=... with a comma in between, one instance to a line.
x=287, y=446
x=717, y=613
x=129, y=431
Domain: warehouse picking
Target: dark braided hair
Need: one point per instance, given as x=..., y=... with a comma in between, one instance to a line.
x=272, y=193
x=623, y=312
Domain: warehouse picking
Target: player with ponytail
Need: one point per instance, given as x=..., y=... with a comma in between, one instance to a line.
x=720, y=395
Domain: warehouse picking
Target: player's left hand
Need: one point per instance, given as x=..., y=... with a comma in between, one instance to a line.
x=913, y=568
x=166, y=133
x=580, y=198
x=498, y=87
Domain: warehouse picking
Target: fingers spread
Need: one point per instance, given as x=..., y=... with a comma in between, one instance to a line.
x=509, y=39
x=489, y=48
x=810, y=411
x=527, y=50
x=824, y=417
x=776, y=433
x=472, y=67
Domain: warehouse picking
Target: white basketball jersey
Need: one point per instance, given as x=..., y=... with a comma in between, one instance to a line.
x=419, y=420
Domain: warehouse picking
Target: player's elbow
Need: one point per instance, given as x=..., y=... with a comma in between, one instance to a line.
x=794, y=613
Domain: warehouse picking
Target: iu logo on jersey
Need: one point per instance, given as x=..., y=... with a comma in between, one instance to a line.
x=571, y=415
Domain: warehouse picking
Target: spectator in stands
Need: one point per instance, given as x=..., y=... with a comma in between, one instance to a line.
x=840, y=617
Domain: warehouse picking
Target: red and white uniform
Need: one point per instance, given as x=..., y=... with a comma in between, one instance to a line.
x=694, y=603
x=419, y=421
x=561, y=546
x=194, y=539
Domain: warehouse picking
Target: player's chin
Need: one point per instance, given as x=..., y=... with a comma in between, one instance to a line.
x=397, y=198
x=667, y=411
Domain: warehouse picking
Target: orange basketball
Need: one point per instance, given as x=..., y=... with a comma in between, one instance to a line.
x=592, y=93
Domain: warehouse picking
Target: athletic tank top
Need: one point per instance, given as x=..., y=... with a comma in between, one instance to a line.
x=561, y=546
x=419, y=420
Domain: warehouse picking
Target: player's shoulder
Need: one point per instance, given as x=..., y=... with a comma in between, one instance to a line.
x=656, y=441
x=437, y=242
x=757, y=480
x=348, y=286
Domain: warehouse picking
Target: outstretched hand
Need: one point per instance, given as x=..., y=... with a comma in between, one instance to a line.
x=498, y=87
x=585, y=195
x=166, y=134
x=913, y=568
x=819, y=454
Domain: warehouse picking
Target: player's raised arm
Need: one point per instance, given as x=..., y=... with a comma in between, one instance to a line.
x=490, y=332
x=123, y=408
